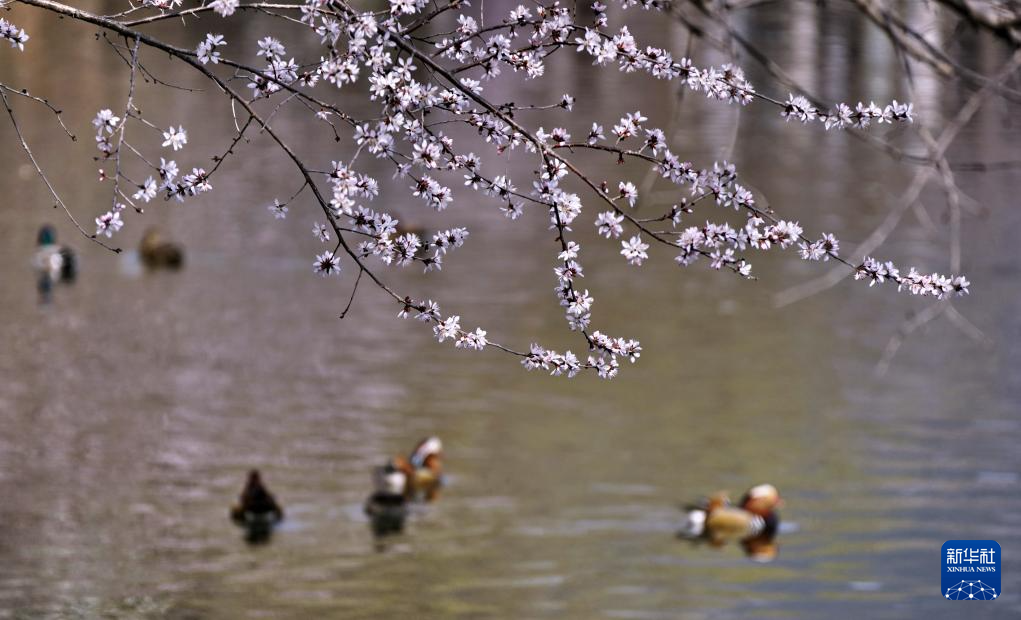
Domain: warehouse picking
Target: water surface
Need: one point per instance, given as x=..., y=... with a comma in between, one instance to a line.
x=132, y=406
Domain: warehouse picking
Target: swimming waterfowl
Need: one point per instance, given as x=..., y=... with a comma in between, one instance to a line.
x=424, y=469
x=387, y=507
x=54, y=263
x=156, y=252
x=257, y=510
x=753, y=522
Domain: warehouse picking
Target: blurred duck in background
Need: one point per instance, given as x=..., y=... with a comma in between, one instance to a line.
x=424, y=469
x=257, y=511
x=158, y=253
x=400, y=482
x=53, y=263
x=753, y=523
x=387, y=507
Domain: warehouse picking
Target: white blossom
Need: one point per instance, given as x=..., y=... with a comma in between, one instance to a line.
x=271, y=48
x=628, y=192
x=447, y=328
x=206, y=50
x=175, y=138
x=321, y=232
x=106, y=121
x=147, y=191
x=418, y=125
x=634, y=250
x=472, y=340
x=14, y=35
x=609, y=224
x=278, y=210
x=225, y=8
x=326, y=264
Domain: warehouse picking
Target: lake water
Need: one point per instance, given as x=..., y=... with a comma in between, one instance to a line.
x=132, y=405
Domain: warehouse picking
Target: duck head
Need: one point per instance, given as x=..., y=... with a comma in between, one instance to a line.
x=47, y=235
x=762, y=500
x=254, y=488
x=428, y=453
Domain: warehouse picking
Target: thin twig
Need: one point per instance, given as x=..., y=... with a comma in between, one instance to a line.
x=42, y=175
x=353, y=291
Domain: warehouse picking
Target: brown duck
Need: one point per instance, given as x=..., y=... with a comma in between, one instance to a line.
x=256, y=506
x=158, y=253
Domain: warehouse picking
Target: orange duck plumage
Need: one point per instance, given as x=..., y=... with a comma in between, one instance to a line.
x=753, y=522
x=424, y=469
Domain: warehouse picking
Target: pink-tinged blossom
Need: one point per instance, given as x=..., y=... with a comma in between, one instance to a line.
x=447, y=328
x=430, y=312
x=628, y=192
x=472, y=340
x=821, y=249
x=109, y=223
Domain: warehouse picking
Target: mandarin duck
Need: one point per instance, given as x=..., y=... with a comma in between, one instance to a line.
x=424, y=469
x=53, y=263
x=753, y=522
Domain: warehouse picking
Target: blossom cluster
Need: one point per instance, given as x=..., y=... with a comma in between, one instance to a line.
x=726, y=83
x=106, y=123
x=225, y=8
x=207, y=50
x=422, y=90
x=162, y=5
x=444, y=329
x=14, y=35
x=842, y=116
x=935, y=285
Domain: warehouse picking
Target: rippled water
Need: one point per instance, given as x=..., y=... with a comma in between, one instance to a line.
x=132, y=406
